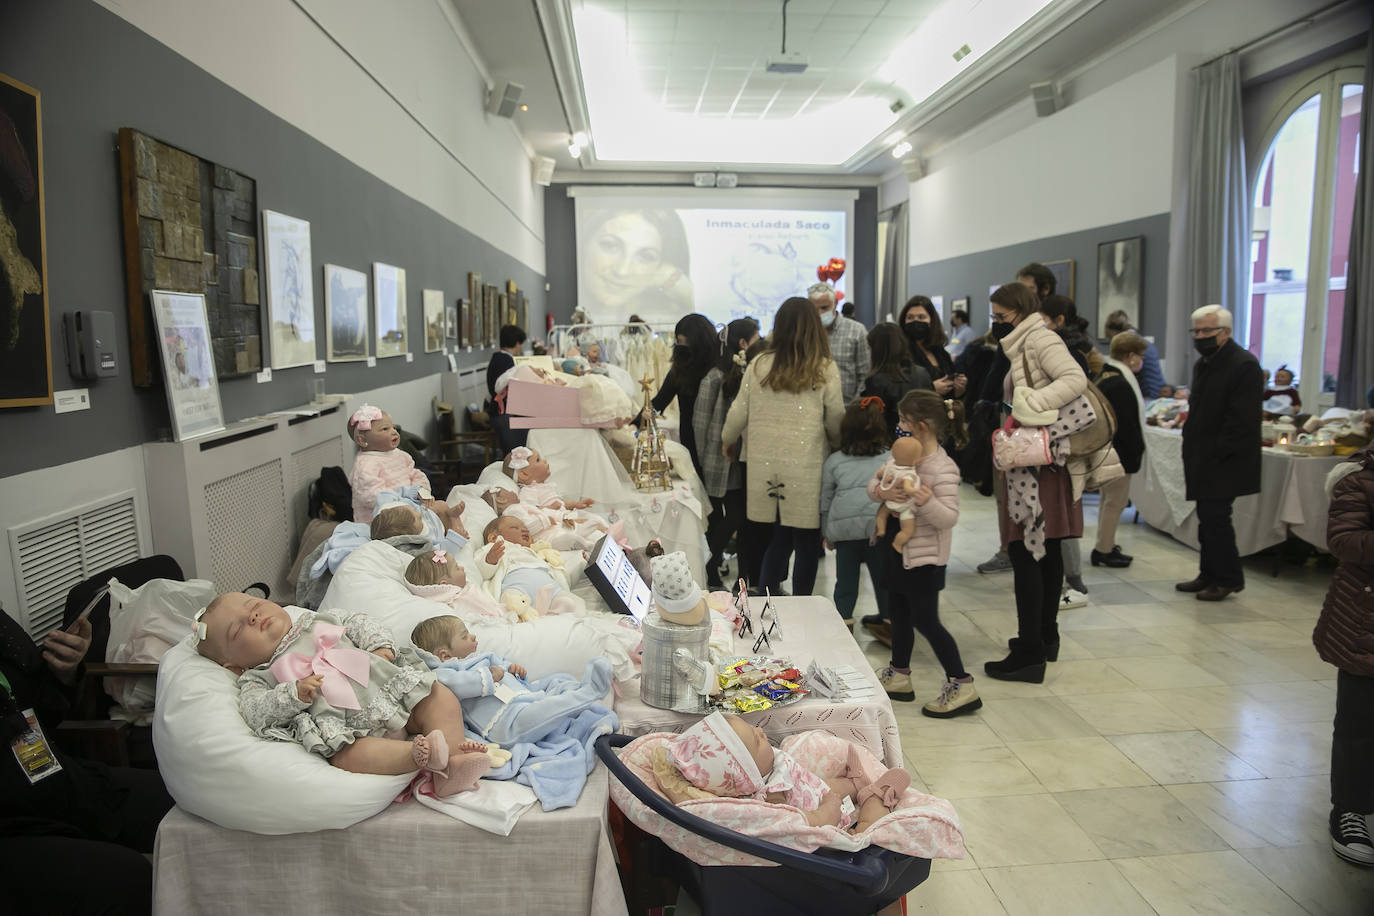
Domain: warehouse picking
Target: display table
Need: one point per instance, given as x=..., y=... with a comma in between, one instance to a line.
x=554, y=862
x=812, y=630
x=1292, y=497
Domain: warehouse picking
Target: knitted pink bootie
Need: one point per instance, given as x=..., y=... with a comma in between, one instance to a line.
x=430, y=752
x=463, y=772
x=888, y=787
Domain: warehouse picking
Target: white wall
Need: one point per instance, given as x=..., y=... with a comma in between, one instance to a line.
x=387, y=85
x=1105, y=159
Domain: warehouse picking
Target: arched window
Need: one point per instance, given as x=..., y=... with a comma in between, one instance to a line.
x=1304, y=197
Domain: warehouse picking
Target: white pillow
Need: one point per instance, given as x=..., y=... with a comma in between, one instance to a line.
x=216, y=768
x=371, y=581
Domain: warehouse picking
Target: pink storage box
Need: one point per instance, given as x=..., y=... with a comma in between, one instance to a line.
x=532, y=405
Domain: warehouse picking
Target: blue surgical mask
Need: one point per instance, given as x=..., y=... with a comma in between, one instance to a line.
x=828, y=318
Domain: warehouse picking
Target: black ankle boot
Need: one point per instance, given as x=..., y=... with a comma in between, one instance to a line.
x=1020, y=665
x=1051, y=647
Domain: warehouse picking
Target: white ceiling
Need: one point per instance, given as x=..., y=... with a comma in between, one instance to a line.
x=705, y=59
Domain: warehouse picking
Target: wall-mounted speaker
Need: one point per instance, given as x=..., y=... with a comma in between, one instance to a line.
x=504, y=98
x=543, y=171
x=915, y=169
x=1047, y=98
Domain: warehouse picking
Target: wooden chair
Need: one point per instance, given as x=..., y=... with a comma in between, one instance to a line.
x=458, y=450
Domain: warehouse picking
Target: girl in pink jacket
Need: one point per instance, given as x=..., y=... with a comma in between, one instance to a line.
x=914, y=585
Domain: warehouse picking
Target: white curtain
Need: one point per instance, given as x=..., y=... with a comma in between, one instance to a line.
x=1356, y=372
x=1216, y=225
x=895, y=260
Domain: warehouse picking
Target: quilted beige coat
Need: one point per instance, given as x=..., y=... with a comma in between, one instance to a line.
x=786, y=440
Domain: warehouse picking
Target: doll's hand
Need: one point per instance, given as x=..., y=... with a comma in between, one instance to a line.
x=497, y=551
x=584, y=504
x=497, y=672
x=307, y=687
x=923, y=495
x=385, y=653
x=518, y=670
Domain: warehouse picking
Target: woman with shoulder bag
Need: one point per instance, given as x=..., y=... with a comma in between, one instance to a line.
x=1045, y=387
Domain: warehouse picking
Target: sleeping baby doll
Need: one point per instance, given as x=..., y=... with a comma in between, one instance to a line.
x=521, y=573
x=531, y=474
x=498, y=704
x=338, y=687
x=724, y=756
x=437, y=576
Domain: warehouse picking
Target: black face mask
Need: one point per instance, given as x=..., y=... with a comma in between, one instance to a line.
x=917, y=332
x=1206, y=345
x=1001, y=329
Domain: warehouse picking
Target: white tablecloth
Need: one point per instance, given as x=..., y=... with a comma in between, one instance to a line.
x=1292, y=497
x=407, y=859
x=812, y=630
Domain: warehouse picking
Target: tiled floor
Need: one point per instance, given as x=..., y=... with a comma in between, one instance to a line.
x=1174, y=761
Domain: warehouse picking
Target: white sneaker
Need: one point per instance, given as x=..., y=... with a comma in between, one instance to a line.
x=1072, y=598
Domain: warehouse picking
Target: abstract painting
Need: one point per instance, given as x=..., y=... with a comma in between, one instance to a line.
x=1119, y=275
x=190, y=225
x=25, y=355
x=433, y=300
x=346, y=313
x=1063, y=276
x=389, y=295
x=290, y=290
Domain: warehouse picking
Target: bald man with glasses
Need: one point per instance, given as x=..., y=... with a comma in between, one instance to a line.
x=1221, y=448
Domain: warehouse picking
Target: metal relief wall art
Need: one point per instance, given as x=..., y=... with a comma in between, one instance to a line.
x=25, y=356
x=346, y=313
x=190, y=225
x=290, y=289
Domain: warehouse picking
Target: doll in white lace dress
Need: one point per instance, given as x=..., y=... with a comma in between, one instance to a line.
x=899, y=473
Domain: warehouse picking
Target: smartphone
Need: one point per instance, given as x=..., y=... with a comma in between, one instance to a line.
x=86, y=611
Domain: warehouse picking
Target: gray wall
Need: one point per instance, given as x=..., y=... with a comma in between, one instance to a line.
x=972, y=274
x=560, y=239
x=96, y=73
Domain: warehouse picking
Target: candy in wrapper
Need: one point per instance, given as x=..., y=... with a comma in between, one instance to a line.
x=728, y=679
x=791, y=674
x=789, y=683
x=772, y=692
x=752, y=704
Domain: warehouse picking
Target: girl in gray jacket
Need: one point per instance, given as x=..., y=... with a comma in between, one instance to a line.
x=847, y=514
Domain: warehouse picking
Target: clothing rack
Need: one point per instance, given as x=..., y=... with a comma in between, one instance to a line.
x=604, y=330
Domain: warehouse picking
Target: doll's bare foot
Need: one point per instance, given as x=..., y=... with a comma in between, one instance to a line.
x=469, y=746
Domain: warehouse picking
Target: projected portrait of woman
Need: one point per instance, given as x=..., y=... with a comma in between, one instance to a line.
x=635, y=261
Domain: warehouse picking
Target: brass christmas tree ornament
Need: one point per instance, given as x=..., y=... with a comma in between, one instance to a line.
x=650, y=467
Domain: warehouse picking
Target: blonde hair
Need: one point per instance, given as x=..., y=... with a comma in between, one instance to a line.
x=1127, y=343
x=436, y=632
x=799, y=347
x=387, y=523
x=425, y=570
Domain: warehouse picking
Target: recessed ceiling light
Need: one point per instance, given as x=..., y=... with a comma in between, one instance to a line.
x=524, y=108
x=901, y=149
x=580, y=138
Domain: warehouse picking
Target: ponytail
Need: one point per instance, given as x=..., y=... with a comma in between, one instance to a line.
x=944, y=416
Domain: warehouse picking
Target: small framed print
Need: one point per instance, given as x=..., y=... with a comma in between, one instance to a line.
x=188, y=363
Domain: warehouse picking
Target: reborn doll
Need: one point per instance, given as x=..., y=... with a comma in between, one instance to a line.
x=522, y=574
x=437, y=576
x=337, y=687
x=498, y=704
x=726, y=757
x=379, y=465
x=899, y=472
x=531, y=473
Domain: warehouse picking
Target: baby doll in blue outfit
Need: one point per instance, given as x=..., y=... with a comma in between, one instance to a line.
x=497, y=702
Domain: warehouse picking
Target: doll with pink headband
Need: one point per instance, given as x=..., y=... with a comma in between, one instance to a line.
x=562, y=523
x=379, y=465
x=435, y=575
x=726, y=757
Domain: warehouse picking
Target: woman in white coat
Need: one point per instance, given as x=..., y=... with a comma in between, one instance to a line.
x=788, y=409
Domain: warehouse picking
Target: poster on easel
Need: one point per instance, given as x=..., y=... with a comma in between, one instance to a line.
x=188, y=363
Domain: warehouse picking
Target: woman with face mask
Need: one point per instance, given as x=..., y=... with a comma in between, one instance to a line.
x=925, y=336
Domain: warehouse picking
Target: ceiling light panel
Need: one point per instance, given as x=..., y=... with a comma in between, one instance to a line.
x=685, y=80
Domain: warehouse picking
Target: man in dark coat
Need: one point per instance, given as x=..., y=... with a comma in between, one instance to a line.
x=1221, y=448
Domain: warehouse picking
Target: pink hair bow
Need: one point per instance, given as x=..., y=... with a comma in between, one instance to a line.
x=440, y=556
x=362, y=417
x=520, y=457
x=338, y=664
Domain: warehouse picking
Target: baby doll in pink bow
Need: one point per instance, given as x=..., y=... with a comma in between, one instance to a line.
x=338, y=687
x=548, y=515
x=726, y=757
x=380, y=464
x=437, y=576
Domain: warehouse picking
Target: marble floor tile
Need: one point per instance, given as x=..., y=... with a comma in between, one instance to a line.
x=1119, y=593
x=1216, y=707
x=973, y=772
x=1023, y=830
x=1073, y=889
x=1189, y=637
x=1305, y=661
x=1245, y=666
x=1164, y=672
x=1126, y=641
x=1174, y=757
x=1144, y=821
x=1315, y=877
x=1261, y=812
x=920, y=731
x=1092, y=617
x=1088, y=676
x=1128, y=712
x=1291, y=749
x=1044, y=717
x=1266, y=634
x=1300, y=701
x=1211, y=883
x=1066, y=764
x=954, y=893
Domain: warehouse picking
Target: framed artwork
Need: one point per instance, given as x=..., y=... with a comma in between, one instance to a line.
x=939, y=303
x=993, y=288
x=474, y=330
x=451, y=322
x=1064, y=276
x=959, y=305
x=346, y=314
x=491, y=316
x=524, y=316
x=25, y=353
x=1119, y=277
x=389, y=297
x=464, y=322
x=433, y=300
x=511, y=312
x=503, y=309
x=188, y=364
x=290, y=290
x=191, y=226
